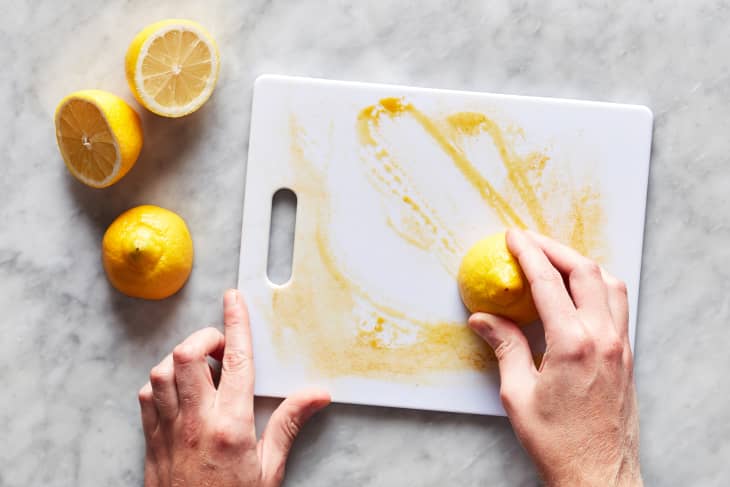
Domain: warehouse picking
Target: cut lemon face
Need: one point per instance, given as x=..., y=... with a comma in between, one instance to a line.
x=172, y=67
x=99, y=136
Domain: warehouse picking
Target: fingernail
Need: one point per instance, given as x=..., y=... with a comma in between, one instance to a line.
x=516, y=236
x=230, y=298
x=484, y=327
x=479, y=323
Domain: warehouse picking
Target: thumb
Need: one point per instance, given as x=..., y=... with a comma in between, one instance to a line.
x=283, y=427
x=517, y=371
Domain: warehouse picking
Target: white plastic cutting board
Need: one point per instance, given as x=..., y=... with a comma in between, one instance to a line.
x=389, y=198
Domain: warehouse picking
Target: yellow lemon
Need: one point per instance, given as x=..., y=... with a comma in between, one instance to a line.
x=147, y=252
x=99, y=136
x=172, y=67
x=491, y=281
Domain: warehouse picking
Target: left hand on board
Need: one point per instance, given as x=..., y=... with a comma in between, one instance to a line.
x=200, y=435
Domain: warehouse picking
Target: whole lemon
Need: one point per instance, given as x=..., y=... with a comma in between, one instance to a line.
x=491, y=281
x=147, y=252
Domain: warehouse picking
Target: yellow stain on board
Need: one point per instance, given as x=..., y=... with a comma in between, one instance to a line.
x=529, y=204
x=334, y=321
x=420, y=225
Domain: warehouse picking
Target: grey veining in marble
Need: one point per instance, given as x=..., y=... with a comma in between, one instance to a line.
x=74, y=352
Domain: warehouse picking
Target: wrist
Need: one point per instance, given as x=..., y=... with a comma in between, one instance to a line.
x=625, y=475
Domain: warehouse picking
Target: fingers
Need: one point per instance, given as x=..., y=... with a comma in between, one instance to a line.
x=587, y=288
x=237, y=374
x=148, y=410
x=164, y=391
x=516, y=367
x=192, y=374
x=551, y=298
x=284, y=425
x=601, y=292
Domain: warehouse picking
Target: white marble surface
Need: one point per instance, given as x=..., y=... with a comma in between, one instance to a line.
x=73, y=352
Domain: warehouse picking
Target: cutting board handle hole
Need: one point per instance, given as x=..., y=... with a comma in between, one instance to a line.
x=281, y=236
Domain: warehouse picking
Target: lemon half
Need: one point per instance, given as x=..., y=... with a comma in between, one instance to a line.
x=490, y=280
x=172, y=67
x=148, y=252
x=99, y=136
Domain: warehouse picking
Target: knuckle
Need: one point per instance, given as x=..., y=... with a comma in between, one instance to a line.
x=224, y=437
x=228, y=436
x=232, y=316
x=145, y=395
x=235, y=360
x=616, y=285
x=504, y=348
x=587, y=269
x=185, y=353
x=581, y=347
x=591, y=268
x=160, y=376
x=549, y=276
x=613, y=349
x=620, y=287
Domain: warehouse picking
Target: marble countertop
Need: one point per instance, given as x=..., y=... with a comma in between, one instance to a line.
x=74, y=351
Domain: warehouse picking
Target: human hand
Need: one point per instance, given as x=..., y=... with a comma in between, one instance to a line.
x=198, y=435
x=577, y=415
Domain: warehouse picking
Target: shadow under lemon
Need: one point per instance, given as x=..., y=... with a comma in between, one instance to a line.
x=147, y=253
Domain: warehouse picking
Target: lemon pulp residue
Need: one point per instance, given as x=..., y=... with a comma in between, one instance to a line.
x=334, y=320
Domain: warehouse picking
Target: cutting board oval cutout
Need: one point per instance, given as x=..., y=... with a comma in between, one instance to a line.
x=283, y=222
